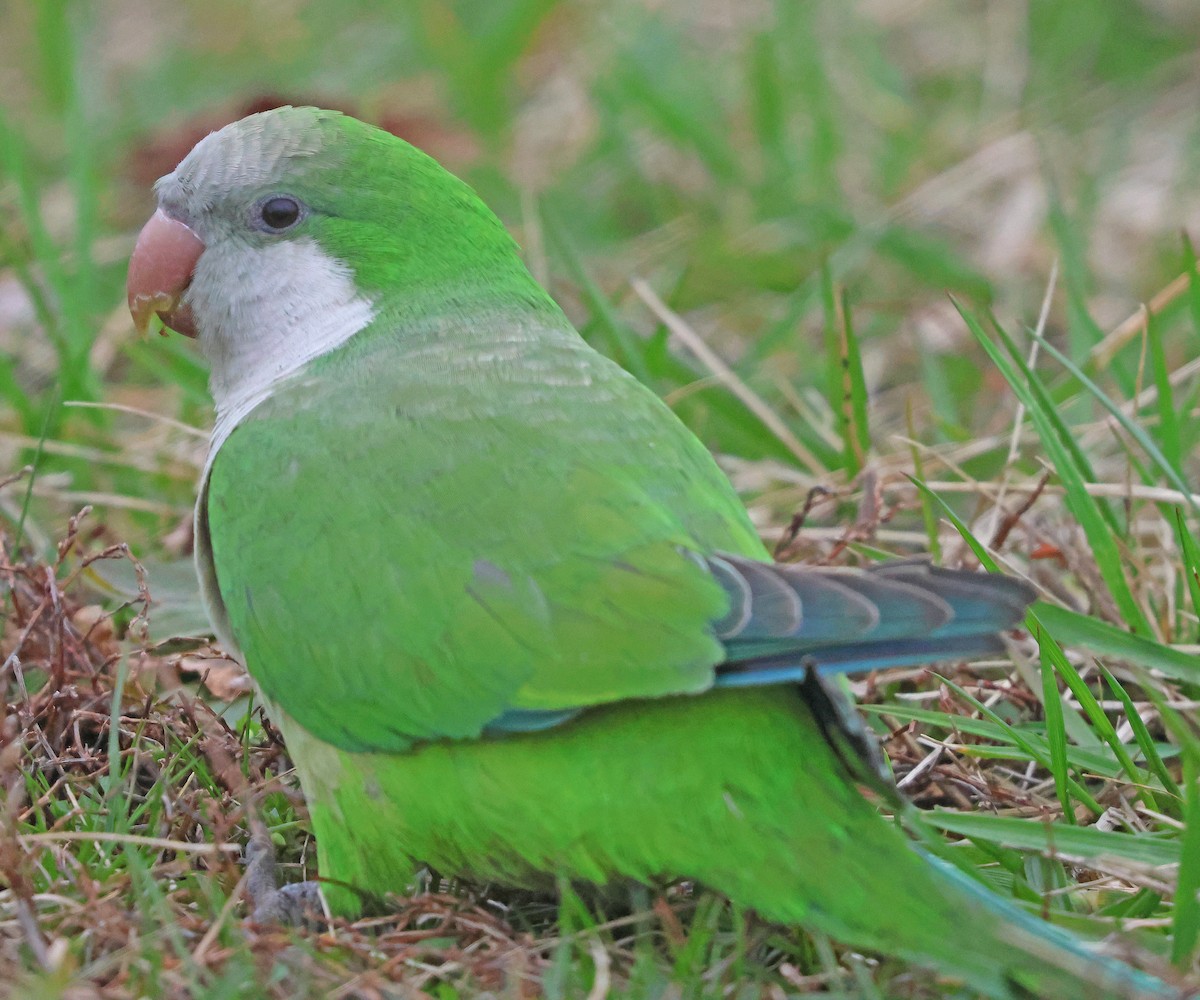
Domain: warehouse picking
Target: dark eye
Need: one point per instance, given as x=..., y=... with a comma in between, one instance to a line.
x=279, y=212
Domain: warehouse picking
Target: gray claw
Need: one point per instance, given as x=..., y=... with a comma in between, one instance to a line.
x=296, y=905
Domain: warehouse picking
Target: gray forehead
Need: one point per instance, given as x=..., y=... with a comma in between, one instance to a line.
x=250, y=153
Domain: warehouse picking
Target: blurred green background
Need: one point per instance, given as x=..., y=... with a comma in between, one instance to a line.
x=753, y=161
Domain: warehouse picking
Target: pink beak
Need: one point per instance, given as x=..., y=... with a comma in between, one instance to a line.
x=160, y=271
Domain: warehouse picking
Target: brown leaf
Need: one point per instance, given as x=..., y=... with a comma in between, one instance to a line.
x=225, y=678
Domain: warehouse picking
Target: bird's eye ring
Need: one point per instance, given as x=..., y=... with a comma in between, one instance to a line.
x=279, y=212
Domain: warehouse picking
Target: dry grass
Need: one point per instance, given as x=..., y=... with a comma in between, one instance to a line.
x=83, y=745
x=113, y=750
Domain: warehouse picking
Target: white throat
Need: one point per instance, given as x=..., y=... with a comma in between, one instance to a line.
x=265, y=312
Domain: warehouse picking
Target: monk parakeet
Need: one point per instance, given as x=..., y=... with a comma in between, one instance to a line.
x=508, y=614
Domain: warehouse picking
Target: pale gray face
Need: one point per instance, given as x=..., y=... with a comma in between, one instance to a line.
x=259, y=292
x=222, y=186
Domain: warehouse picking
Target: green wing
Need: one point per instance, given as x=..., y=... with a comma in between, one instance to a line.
x=415, y=543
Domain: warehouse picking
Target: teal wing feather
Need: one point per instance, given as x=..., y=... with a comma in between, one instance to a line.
x=401, y=560
x=783, y=619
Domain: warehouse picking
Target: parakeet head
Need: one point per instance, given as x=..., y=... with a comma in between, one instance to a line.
x=282, y=235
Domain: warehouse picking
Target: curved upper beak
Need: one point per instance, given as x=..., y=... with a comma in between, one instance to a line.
x=160, y=271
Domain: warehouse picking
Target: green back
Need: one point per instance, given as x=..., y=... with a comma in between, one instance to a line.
x=446, y=521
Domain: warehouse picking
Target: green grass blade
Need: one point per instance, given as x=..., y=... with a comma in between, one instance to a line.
x=1052, y=652
x=1141, y=733
x=1063, y=455
x=857, y=431
x=846, y=384
x=1096, y=760
x=1168, y=420
x=1186, y=922
x=928, y=516
x=1190, y=559
x=1056, y=726
x=1084, y=842
x=1074, y=629
x=1135, y=431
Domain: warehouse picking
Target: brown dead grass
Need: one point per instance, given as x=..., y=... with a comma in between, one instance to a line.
x=61, y=668
x=185, y=787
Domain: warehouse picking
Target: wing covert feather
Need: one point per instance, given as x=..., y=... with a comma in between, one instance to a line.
x=397, y=570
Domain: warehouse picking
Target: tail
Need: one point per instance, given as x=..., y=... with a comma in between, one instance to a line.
x=790, y=834
x=784, y=618
x=1032, y=958
x=792, y=624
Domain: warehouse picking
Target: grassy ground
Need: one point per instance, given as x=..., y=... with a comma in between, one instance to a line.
x=832, y=236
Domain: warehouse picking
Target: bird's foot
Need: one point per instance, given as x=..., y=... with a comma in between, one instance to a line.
x=298, y=904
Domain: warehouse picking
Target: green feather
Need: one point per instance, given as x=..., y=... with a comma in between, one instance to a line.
x=736, y=789
x=462, y=519
x=452, y=555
